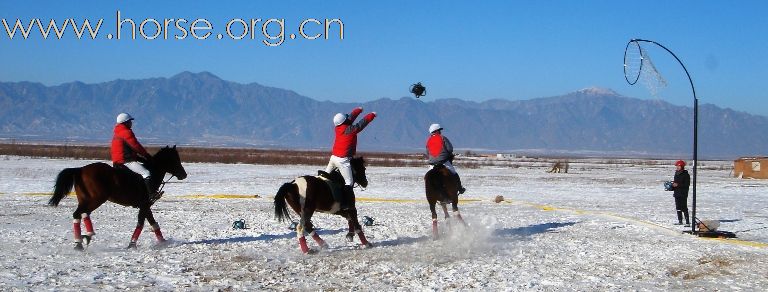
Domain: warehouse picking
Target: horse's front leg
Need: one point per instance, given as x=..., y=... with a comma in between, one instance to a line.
x=351, y=233
x=456, y=213
x=155, y=227
x=447, y=217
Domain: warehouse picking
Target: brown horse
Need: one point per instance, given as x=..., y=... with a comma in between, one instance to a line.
x=99, y=182
x=307, y=194
x=441, y=186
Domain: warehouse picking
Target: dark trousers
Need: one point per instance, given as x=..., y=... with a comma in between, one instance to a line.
x=681, y=204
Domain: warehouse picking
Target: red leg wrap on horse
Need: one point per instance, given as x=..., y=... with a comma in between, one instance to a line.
x=303, y=244
x=76, y=231
x=317, y=239
x=458, y=216
x=362, y=238
x=88, y=226
x=136, y=233
x=158, y=234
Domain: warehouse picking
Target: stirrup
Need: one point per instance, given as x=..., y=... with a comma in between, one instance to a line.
x=155, y=196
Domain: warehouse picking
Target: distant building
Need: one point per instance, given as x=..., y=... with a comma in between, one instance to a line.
x=751, y=167
x=505, y=155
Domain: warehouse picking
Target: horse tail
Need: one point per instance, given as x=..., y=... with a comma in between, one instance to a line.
x=65, y=181
x=281, y=208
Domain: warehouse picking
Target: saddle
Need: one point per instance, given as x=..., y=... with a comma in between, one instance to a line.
x=335, y=183
x=125, y=172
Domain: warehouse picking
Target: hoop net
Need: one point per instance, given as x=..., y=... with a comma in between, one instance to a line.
x=639, y=67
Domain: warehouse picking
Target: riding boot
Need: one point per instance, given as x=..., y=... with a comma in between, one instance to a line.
x=151, y=193
x=458, y=182
x=679, y=217
x=687, y=220
x=349, y=193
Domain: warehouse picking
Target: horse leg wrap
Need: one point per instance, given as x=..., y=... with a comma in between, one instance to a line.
x=158, y=233
x=363, y=241
x=76, y=230
x=88, y=225
x=434, y=229
x=303, y=244
x=319, y=240
x=458, y=216
x=136, y=233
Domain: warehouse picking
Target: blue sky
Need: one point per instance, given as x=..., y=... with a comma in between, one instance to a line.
x=475, y=50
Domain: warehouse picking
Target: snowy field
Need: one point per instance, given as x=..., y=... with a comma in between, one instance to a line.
x=605, y=227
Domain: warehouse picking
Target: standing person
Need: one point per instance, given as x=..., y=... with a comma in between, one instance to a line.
x=345, y=147
x=126, y=150
x=440, y=151
x=680, y=185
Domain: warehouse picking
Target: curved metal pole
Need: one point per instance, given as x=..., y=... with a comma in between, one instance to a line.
x=695, y=127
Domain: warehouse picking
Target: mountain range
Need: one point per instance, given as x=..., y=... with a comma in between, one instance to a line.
x=204, y=110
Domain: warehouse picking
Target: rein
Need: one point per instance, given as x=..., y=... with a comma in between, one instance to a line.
x=162, y=183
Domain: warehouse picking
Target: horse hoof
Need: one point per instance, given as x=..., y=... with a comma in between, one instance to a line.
x=162, y=244
x=79, y=246
x=131, y=245
x=350, y=237
x=368, y=245
x=87, y=239
x=311, y=252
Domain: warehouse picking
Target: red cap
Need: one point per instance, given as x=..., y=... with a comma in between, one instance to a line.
x=680, y=163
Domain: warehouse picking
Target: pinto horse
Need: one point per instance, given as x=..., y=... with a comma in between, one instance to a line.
x=99, y=182
x=307, y=194
x=441, y=186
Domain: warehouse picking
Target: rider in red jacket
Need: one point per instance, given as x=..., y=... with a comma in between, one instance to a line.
x=126, y=151
x=345, y=147
x=440, y=151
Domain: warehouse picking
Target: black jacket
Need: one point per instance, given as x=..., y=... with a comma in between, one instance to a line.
x=683, y=180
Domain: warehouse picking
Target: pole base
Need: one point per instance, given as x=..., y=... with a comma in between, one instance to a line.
x=712, y=234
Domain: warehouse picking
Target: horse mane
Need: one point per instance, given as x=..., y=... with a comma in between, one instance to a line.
x=357, y=160
x=163, y=150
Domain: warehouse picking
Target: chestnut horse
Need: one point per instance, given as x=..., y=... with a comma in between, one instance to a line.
x=441, y=186
x=99, y=182
x=307, y=194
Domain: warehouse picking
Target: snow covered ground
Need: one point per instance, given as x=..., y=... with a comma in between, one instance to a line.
x=599, y=227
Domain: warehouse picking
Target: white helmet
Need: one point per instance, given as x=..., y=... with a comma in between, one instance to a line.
x=339, y=118
x=434, y=127
x=123, y=117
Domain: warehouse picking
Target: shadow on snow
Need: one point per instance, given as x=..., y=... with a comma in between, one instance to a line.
x=262, y=237
x=530, y=230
